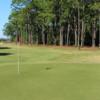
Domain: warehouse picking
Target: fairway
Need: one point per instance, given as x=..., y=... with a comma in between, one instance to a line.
x=49, y=73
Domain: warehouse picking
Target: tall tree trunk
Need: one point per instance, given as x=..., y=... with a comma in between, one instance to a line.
x=17, y=34
x=31, y=35
x=20, y=41
x=29, y=28
x=68, y=30
x=29, y=39
x=26, y=36
x=82, y=33
x=43, y=35
x=78, y=27
x=75, y=32
x=76, y=39
x=20, y=37
x=61, y=36
x=48, y=38
x=37, y=39
x=94, y=34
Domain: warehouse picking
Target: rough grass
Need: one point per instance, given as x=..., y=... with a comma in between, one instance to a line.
x=49, y=73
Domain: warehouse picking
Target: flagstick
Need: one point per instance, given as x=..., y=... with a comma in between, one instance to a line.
x=18, y=59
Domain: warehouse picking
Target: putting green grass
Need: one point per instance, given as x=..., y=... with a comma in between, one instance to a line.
x=49, y=73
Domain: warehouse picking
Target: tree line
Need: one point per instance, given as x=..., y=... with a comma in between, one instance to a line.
x=55, y=22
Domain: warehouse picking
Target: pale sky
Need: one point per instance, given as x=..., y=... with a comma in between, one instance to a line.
x=5, y=9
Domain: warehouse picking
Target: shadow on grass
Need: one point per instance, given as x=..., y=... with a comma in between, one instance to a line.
x=5, y=48
x=5, y=54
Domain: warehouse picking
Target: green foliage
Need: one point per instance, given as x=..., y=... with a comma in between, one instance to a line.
x=31, y=16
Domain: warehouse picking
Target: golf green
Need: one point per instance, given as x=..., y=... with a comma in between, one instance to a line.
x=49, y=73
